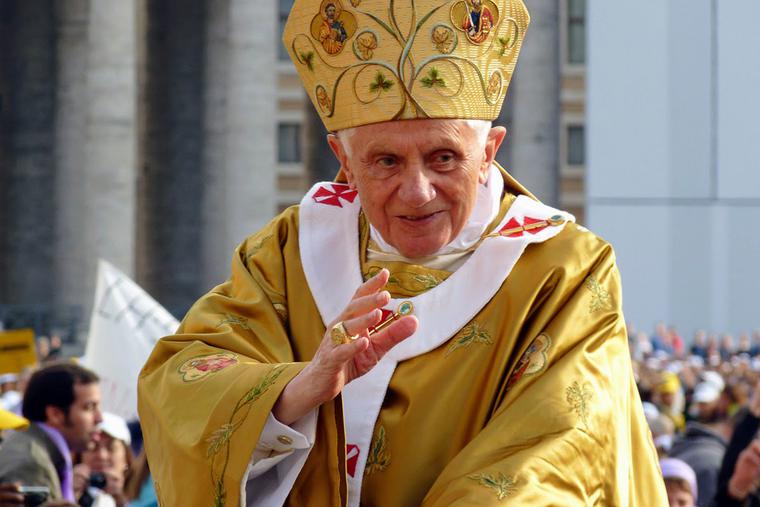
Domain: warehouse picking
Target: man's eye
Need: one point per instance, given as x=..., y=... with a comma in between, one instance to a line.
x=444, y=158
x=386, y=161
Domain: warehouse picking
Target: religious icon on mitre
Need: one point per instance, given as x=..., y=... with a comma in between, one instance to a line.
x=476, y=18
x=332, y=26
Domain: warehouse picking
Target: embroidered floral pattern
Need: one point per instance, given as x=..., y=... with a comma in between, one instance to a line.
x=365, y=45
x=502, y=485
x=307, y=57
x=494, y=85
x=380, y=84
x=579, y=396
x=600, y=297
x=533, y=361
x=505, y=43
x=379, y=458
x=234, y=320
x=220, y=439
x=444, y=38
x=433, y=79
x=323, y=99
x=473, y=333
x=198, y=367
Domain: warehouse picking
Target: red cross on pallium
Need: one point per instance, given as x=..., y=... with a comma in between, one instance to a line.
x=514, y=224
x=339, y=191
x=352, y=457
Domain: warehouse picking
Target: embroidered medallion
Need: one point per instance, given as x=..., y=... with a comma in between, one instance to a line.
x=476, y=18
x=323, y=99
x=579, y=396
x=494, y=85
x=600, y=297
x=379, y=458
x=365, y=45
x=502, y=485
x=473, y=333
x=219, y=440
x=333, y=26
x=332, y=196
x=533, y=361
x=198, y=367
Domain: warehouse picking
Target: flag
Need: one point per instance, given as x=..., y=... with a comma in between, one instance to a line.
x=125, y=325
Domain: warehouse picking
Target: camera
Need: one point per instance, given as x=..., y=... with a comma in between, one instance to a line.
x=98, y=480
x=34, y=495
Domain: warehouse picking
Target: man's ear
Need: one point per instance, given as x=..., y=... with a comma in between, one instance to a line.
x=336, y=145
x=54, y=416
x=495, y=137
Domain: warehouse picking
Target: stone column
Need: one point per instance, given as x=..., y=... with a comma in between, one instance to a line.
x=70, y=138
x=533, y=144
x=243, y=196
x=171, y=153
x=28, y=169
x=110, y=148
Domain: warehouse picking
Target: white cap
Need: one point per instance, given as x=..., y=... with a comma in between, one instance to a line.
x=714, y=378
x=7, y=378
x=705, y=392
x=115, y=427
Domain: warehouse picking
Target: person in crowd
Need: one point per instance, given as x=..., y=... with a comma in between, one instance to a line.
x=727, y=347
x=314, y=375
x=699, y=344
x=739, y=476
x=103, y=468
x=139, y=488
x=669, y=398
x=43, y=348
x=755, y=351
x=676, y=342
x=663, y=432
x=10, y=397
x=62, y=401
x=680, y=482
x=744, y=346
x=704, y=442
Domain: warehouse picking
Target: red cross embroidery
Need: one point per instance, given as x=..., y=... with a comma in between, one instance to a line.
x=339, y=191
x=352, y=457
x=517, y=228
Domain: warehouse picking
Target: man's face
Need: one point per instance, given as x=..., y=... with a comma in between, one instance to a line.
x=79, y=426
x=417, y=179
x=330, y=11
x=677, y=497
x=476, y=4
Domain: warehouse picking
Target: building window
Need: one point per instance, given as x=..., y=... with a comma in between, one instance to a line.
x=284, y=9
x=576, y=145
x=576, y=31
x=289, y=142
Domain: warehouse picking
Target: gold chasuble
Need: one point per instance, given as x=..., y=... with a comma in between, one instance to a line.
x=516, y=389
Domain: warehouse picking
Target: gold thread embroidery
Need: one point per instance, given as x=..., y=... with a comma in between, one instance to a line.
x=444, y=38
x=282, y=311
x=220, y=439
x=256, y=247
x=600, y=297
x=473, y=333
x=503, y=485
x=579, y=396
x=379, y=458
x=234, y=320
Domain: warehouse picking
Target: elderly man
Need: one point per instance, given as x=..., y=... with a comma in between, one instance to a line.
x=421, y=331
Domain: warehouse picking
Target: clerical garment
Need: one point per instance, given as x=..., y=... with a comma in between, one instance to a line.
x=517, y=386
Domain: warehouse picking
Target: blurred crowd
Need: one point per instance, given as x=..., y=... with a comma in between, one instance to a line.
x=57, y=448
x=701, y=400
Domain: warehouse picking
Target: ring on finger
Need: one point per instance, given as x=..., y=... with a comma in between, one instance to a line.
x=340, y=335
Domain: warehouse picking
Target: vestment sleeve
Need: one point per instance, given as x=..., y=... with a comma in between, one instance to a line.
x=206, y=392
x=569, y=428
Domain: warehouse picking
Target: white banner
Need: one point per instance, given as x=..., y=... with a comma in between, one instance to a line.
x=125, y=325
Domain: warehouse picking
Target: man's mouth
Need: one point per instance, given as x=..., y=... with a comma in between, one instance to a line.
x=419, y=218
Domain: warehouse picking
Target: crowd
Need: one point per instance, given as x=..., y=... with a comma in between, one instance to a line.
x=701, y=400
x=58, y=449
x=702, y=403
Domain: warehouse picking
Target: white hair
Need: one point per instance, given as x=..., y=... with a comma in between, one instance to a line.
x=481, y=128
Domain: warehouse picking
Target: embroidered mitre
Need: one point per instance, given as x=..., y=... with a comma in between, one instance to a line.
x=369, y=61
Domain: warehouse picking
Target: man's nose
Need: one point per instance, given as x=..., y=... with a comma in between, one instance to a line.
x=416, y=189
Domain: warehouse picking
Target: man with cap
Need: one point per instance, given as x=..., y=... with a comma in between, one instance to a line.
x=680, y=482
x=420, y=331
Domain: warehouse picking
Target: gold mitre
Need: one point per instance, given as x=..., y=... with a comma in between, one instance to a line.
x=368, y=61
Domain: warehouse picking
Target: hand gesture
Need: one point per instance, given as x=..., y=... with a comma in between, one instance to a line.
x=335, y=365
x=9, y=495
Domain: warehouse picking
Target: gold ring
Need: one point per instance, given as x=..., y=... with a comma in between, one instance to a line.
x=340, y=335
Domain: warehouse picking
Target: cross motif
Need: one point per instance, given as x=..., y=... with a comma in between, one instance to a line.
x=513, y=228
x=325, y=195
x=352, y=457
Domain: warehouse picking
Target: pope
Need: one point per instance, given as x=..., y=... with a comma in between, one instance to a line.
x=422, y=330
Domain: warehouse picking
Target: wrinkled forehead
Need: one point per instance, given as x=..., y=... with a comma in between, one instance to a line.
x=416, y=132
